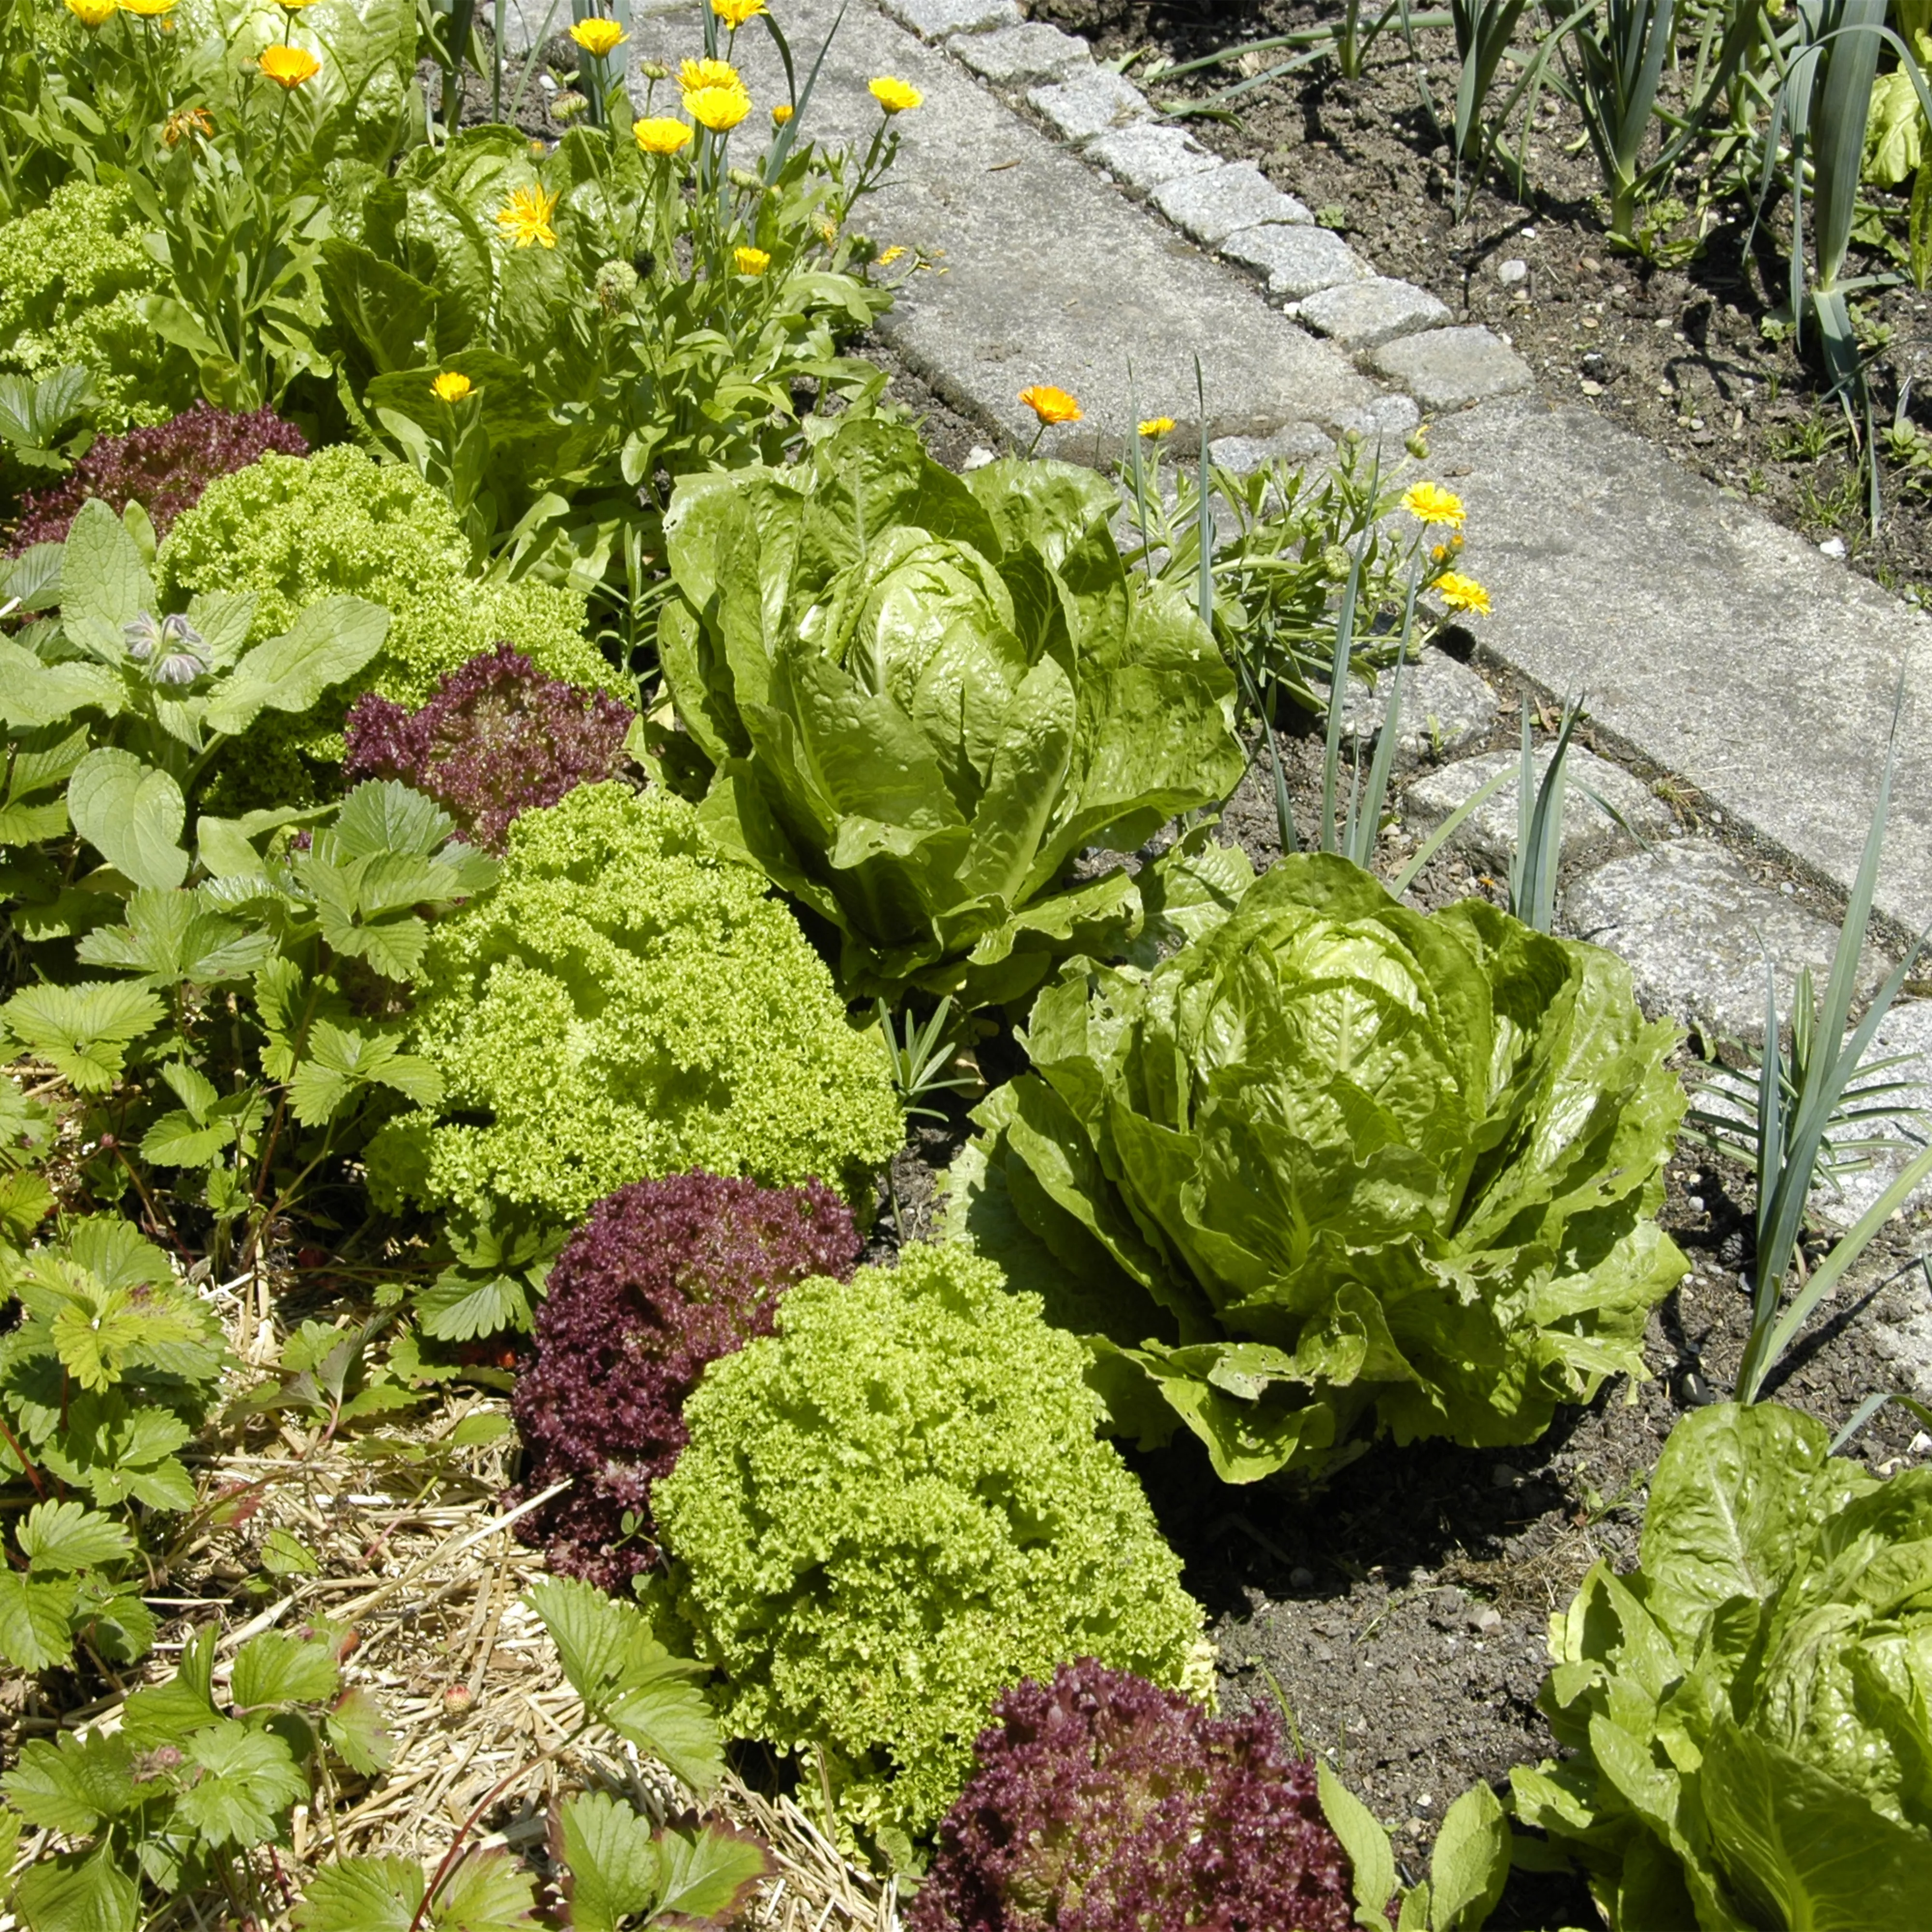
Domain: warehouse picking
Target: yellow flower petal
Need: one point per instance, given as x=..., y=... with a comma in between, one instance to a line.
x=1430, y=503
x=525, y=217
x=288, y=67
x=720, y=108
x=1463, y=593
x=750, y=261
x=895, y=96
x=93, y=14
x=735, y=13
x=661, y=134
x=1157, y=426
x=451, y=386
x=781, y=113
x=598, y=38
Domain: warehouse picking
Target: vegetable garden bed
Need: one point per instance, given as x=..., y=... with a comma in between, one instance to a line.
x=699, y=1224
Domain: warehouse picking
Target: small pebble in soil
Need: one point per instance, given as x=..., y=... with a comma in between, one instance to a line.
x=977, y=457
x=1512, y=271
x=1300, y=1579
x=1833, y=546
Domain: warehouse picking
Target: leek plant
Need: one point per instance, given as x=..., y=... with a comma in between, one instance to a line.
x=1802, y=1091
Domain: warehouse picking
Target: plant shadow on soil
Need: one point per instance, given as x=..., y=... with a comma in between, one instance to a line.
x=1397, y=1611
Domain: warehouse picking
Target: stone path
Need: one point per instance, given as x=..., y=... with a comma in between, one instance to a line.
x=1078, y=240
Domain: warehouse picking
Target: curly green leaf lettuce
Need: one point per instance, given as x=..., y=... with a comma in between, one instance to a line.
x=1337, y=1157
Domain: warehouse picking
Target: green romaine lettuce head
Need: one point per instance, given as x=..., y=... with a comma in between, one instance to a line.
x=1748, y=1711
x=1337, y=1156
x=921, y=697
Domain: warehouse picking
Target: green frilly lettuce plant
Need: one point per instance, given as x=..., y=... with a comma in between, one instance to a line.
x=917, y=698
x=1338, y=1160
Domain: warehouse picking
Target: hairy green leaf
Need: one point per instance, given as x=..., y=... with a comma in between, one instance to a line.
x=132, y=814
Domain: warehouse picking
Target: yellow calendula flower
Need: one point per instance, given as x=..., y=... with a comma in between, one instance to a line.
x=598, y=36
x=781, y=113
x=1051, y=405
x=895, y=96
x=887, y=257
x=93, y=14
x=451, y=387
x=1430, y=503
x=1156, y=426
x=750, y=261
x=661, y=134
x=288, y=67
x=735, y=13
x=720, y=108
x=525, y=217
x=693, y=74
x=1463, y=593
x=148, y=10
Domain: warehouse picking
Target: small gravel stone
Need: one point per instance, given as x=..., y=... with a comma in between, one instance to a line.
x=1512, y=272
x=1833, y=546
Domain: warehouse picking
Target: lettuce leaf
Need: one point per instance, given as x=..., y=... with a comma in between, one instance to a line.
x=1336, y=1157
x=921, y=697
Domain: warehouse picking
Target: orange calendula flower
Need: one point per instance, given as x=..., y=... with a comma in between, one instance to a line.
x=93, y=14
x=781, y=113
x=895, y=96
x=525, y=217
x=1463, y=593
x=750, y=261
x=1430, y=503
x=1051, y=405
x=1156, y=426
x=451, y=386
x=195, y=121
x=598, y=36
x=735, y=13
x=660, y=134
x=288, y=67
x=720, y=108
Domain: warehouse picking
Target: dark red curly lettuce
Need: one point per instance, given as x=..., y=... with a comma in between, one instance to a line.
x=164, y=468
x=497, y=738
x=665, y=1277
x=1101, y=1803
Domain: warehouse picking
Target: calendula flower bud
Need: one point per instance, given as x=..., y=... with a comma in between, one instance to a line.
x=616, y=285
x=654, y=70
x=1417, y=444
x=567, y=106
x=1334, y=563
x=743, y=178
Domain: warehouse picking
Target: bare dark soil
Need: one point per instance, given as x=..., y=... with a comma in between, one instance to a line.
x=1398, y=1613
x=1693, y=355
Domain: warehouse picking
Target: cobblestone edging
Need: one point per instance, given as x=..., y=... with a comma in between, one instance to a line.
x=1400, y=334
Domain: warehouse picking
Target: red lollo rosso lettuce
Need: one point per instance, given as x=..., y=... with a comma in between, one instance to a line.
x=497, y=738
x=164, y=468
x=665, y=1277
x=1101, y=1803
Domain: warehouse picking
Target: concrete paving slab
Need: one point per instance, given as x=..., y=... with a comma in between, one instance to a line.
x=1697, y=928
x=1146, y=155
x=1050, y=275
x=1450, y=368
x=1364, y=315
x=1295, y=443
x=935, y=20
x=1024, y=56
x=1098, y=102
x=1213, y=206
x=1719, y=645
x=1590, y=835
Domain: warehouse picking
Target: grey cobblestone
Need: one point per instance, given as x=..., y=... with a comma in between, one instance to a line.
x=1449, y=368
x=1296, y=261
x=1097, y=102
x=1032, y=55
x=1217, y=203
x=1146, y=154
x=935, y=20
x=1364, y=315
x=1590, y=835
